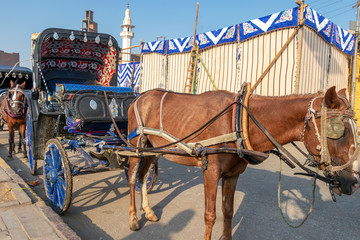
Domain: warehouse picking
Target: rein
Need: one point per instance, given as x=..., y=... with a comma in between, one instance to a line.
x=290, y=157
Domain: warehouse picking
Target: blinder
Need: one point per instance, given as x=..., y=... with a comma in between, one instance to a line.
x=334, y=128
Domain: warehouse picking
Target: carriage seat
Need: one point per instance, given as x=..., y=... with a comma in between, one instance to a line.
x=68, y=77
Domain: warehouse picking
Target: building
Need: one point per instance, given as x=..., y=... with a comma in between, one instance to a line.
x=88, y=23
x=9, y=59
x=126, y=36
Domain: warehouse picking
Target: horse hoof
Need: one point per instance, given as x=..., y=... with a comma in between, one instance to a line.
x=10, y=157
x=151, y=217
x=134, y=225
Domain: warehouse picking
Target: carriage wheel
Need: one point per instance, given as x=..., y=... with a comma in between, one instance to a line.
x=32, y=161
x=151, y=181
x=57, y=176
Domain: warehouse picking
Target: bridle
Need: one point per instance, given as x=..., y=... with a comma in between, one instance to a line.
x=12, y=102
x=332, y=126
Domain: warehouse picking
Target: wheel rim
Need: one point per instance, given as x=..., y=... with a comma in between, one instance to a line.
x=55, y=180
x=29, y=143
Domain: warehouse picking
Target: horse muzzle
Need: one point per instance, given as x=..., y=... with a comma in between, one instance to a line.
x=348, y=183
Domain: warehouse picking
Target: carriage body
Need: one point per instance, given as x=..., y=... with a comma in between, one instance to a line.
x=74, y=90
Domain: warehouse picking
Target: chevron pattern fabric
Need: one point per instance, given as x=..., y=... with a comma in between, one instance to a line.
x=128, y=75
x=332, y=33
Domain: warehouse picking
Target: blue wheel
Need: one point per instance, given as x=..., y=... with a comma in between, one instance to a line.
x=57, y=176
x=151, y=181
x=29, y=141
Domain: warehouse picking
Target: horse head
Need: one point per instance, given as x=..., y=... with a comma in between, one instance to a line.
x=330, y=136
x=16, y=98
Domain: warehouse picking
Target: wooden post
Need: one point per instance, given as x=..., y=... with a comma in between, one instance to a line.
x=192, y=65
x=354, y=63
x=141, y=61
x=277, y=56
x=302, y=7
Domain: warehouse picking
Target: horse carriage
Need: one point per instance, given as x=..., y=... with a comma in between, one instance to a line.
x=75, y=105
x=219, y=131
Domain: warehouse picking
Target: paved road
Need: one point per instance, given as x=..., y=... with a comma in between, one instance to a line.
x=100, y=203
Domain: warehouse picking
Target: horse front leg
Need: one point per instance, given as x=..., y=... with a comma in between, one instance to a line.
x=144, y=173
x=11, y=142
x=21, y=139
x=134, y=163
x=228, y=191
x=211, y=179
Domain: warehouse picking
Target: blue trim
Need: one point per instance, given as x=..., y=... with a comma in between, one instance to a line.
x=284, y=19
x=133, y=134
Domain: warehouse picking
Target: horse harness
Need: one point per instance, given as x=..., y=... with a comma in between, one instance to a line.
x=332, y=127
x=12, y=102
x=331, y=122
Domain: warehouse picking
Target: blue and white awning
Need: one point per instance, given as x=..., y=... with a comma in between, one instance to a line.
x=332, y=33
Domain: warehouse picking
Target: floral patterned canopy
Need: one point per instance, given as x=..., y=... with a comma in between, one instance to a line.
x=79, y=52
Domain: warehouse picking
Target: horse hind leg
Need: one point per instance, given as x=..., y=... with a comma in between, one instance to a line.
x=144, y=172
x=134, y=163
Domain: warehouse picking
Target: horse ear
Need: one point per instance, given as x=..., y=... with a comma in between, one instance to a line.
x=342, y=93
x=331, y=99
x=12, y=84
x=23, y=85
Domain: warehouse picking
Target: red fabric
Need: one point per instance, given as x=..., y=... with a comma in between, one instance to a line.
x=99, y=59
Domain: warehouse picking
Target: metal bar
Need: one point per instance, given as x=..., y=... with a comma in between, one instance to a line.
x=175, y=151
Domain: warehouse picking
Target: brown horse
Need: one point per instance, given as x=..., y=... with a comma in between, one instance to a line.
x=285, y=118
x=13, y=111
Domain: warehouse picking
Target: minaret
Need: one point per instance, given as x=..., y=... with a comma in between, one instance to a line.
x=126, y=35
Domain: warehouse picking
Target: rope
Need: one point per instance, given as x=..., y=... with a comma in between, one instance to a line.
x=279, y=202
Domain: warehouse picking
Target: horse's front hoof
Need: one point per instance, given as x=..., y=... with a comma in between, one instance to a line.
x=134, y=225
x=10, y=157
x=151, y=217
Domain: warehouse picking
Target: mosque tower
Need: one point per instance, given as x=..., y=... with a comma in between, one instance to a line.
x=126, y=36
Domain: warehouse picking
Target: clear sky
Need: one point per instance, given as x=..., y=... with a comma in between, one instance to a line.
x=152, y=19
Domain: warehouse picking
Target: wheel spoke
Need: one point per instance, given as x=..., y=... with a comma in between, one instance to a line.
x=52, y=156
x=60, y=195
